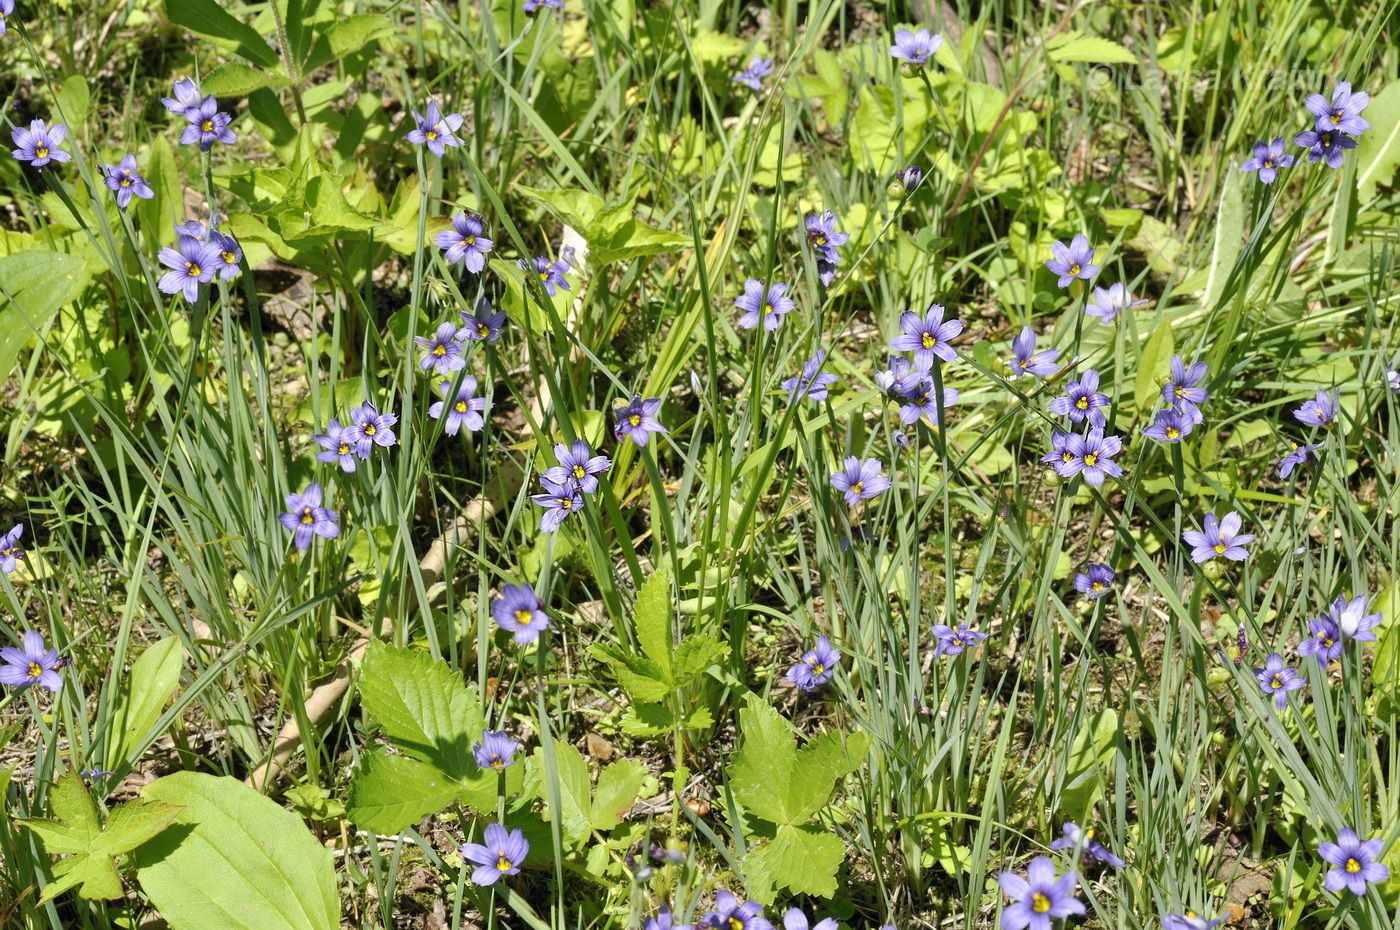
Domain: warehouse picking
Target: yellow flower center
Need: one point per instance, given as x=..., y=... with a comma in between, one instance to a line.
x=469, y=240
x=1326, y=142
x=1353, y=866
x=207, y=126
x=230, y=258
x=483, y=330
x=440, y=350
x=929, y=340
x=306, y=516
x=460, y=406
x=1066, y=457
x=635, y=419
x=1268, y=163
x=431, y=135
x=1336, y=118
x=818, y=669
x=566, y=503
x=34, y=670
x=858, y=488
x=1091, y=458
x=1097, y=586
x=1276, y=682
x=1082, y=403
x=736, y=924
x=503, y=864
x=580, y=472
x=1074, y=268
x=342, y=449
x=125, y=182
x=193, y=269
x=42, y=151
x=369, y=429
x=1219, y=548
x=522, y=616
x=1039, y=903
x=1173, y=432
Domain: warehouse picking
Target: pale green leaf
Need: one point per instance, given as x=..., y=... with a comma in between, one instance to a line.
x=33, y=287
x=75, y=830
x=821, y=764
x=1154, y=365
x=152, y=682
x=1229, y=230
x=693, y=656
x=349, y=35
x=711, y=47
x=764, y=762
x=576, y=207
x=1074, y=46
x=576, y=805
x=800, y=860
x=241, y=862
x=1091, y=751
x=617, y=789
x=73, y=101
x=1378, y=151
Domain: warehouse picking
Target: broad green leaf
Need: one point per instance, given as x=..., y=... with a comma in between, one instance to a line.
x=75, y=830
x=241, y=862
x=160, y=214
x=802, y=860
x=712, y=47
x=617, y=789
x=764, y=762
x=73, y=100
x=33, y=287
x=152, y=682
x=776, y=781
x=423, y=706
x=208, y=18
x=576, y=805
x=648, y=720
x=693, y=656
x=1385, y=675
x=353, y=33
x=389, y=794
x=1074, y=46
x=1158, y=242
x=576, y=207
x=1154, y=365
x=1229, y=230
x=632, y=239
x=652, y=620
x=1091, y=751
x=235, y=79
x=821, y=764
x=1378, y=151
x=640, y=678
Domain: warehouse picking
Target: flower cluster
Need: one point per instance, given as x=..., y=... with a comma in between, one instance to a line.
x=566, y=483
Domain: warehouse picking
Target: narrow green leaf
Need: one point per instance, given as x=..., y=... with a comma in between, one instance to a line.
x=1229, y=230
x=1153, y=365
x=150, y=686
x=208, y=18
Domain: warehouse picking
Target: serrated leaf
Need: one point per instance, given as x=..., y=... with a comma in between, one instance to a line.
x=631, y=239
x=648, y=720
x=235, y=79
x=693, y=656
x=779, y=783
x=241, y=862
x=208, y=18
x=423, y=706
x=652, y=621
x=1378, y=151
x=711, y=47
x=821, y=764
x=152, y=682
x=1153, y=365
x=1074, y=46
x=1229, y=230
x=764, y=762
x=389, y=794
x=638, y=676
x=76, y=830
x=617, y=789
x=802, y=860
